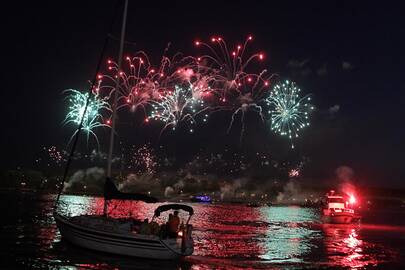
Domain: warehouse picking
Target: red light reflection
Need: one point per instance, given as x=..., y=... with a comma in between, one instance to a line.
x=344, y=247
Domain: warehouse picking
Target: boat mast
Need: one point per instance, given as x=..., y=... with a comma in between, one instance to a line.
x=117, y=83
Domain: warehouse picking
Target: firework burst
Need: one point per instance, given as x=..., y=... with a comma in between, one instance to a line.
x=289, y=112
x=136, y=85
x=92, y=118
x=141, y=82
x=233, y=77
x=144, y=160
x=179, y=105
x=55, y=155
x=229, y=72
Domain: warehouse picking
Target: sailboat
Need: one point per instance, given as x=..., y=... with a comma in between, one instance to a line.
x=123, y=236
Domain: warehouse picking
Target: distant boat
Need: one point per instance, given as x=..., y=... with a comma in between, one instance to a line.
x=201, y=198
x=337, y=210
x=253, y=204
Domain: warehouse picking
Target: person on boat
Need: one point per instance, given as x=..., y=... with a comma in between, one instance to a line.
x=182, y=227
x=165, y=227
x=174, y=223
x=145, y=227
x=154, y=228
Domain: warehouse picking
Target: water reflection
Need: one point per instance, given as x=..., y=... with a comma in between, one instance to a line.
x=345, y=247
x=289, y=237
x=277, y=235
x=227, y=231
x=226, y=236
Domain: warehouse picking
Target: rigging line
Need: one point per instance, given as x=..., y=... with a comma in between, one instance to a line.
x=72, y=151
x=125, y=42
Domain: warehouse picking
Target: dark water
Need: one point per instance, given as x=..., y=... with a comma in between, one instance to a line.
x=226, y=237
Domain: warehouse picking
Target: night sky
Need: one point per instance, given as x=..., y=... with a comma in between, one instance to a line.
x=350, y=56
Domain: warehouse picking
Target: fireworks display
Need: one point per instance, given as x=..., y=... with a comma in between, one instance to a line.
x=51, y=156
x=289, y=112
x=184, y=89
x=178, y=106
x=233, y=77
x=55, y=155
x=143, y=159
x=230, y=71
x=136, y=87
x=294, y=173
x=92, y=118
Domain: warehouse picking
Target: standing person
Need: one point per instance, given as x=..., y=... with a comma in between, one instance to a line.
x=174, y=224
x=170, y=218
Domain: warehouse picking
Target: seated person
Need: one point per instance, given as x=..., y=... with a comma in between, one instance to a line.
x=154, y=228
x=173, y=225
x=136, y=224
x=145, y=227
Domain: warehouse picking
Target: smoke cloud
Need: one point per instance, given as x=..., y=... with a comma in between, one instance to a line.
x=291, y=192
x=138, y=183
x=92, y=177
x=345, y=175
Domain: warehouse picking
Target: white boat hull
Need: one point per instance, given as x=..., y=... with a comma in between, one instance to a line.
x=143, y=246
x=338, y=218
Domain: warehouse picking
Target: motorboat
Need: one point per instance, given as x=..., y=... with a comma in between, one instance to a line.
x=338, y=209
